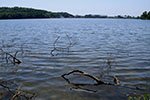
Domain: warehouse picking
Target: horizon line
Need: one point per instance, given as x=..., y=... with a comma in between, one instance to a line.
x=72, y=13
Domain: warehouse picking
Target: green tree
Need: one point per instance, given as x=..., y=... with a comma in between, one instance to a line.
x=148, y=16
x=20, y=12
x=144, y=15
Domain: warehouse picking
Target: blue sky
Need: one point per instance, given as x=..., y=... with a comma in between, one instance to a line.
x=82, y=7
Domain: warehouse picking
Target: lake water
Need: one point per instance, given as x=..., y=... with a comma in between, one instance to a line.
x=101, y=47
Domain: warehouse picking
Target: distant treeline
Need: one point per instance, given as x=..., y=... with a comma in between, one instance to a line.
x=21, y=13
x=105, y=16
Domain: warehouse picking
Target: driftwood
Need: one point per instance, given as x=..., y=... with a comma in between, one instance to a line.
x=14, y=60
x=98, y=81
x=55, y=48
x=16, y=94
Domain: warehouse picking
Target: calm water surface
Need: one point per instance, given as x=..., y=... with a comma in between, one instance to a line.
x=102, y=47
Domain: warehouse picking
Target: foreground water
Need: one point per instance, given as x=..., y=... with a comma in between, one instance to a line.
x=101, y=47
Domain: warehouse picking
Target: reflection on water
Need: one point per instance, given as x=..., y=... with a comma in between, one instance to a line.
x=102, y=47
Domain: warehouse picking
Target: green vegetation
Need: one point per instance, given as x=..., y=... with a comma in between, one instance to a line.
x=145, y=15
x=20, y=13
x=145, y=96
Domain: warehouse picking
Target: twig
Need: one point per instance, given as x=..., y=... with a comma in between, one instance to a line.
x=16, y=93
x=56, y=41
x=61, y=48
x=54, y=46
x=14, y=58
x=7, y=88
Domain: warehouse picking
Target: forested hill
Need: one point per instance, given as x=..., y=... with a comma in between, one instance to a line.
x=20, y=13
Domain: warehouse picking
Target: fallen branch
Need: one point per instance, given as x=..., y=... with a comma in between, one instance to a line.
x=15, y=60
x=54, y=46
x=61, y=48
x=98, y=81
x=2, y=84
x=16, y=94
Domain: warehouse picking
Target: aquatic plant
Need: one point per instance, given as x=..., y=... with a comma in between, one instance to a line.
x=145, y=96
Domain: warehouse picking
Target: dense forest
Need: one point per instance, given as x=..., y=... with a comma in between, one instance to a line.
x=19, y=13
x=22, y=13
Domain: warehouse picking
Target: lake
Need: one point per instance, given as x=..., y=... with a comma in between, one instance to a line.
x=101, y=47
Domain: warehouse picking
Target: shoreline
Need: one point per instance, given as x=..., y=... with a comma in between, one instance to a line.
x=68, y=18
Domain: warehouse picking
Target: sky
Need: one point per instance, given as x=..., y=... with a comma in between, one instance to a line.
x=82, y=7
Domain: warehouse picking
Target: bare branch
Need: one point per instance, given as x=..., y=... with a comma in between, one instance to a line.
x=16, y=94
x=14, y=58
x=56, y=41
x=61, y=48
x=99, y=82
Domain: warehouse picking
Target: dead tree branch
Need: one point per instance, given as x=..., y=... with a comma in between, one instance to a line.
x=61, y=48
x=98, y=81
x=16, y=94
x=54, y=46
x=15, y=60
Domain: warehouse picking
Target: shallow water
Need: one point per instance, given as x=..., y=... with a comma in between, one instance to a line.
x=101, y=47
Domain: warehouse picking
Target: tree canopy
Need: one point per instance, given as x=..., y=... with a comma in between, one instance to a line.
x=20, y=12
x=145, y=15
